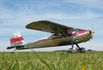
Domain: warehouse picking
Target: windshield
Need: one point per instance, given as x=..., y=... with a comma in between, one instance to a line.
x=75, y=29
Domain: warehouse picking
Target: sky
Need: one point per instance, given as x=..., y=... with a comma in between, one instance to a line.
x=84, y=14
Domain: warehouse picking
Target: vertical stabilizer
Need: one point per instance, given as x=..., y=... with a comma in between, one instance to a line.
x=17, y=39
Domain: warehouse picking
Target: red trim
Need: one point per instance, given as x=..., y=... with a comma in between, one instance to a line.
x=13, y=40
x=80, y=32
x=47, y=39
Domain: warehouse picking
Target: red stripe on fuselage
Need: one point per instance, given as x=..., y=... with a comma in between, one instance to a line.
x=13, y=40
x=46, y=39
x=79, y=32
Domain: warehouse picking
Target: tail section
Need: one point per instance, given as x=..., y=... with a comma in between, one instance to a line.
x=16, y=41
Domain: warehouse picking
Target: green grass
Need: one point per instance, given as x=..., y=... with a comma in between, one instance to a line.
x=51, y=61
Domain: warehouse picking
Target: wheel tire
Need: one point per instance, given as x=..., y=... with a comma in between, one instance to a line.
x=82, y=50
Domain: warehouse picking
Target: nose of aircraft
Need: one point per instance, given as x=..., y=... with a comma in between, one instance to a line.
x=91, y=33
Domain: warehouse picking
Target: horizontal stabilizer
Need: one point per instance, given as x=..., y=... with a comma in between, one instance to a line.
x=17, y=47
x=10, y=47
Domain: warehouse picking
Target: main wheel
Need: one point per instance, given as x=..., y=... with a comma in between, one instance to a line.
x=81, y=50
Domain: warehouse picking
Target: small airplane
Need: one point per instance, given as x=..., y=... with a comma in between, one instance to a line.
x=61, y=35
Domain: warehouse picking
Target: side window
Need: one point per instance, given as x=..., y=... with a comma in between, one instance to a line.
x=69, y=32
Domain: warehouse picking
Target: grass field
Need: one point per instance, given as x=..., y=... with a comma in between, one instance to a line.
x=51, y=61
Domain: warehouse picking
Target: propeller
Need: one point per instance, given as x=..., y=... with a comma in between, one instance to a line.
x=92, y=32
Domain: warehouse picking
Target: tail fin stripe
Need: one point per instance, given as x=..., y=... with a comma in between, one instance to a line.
x=12, y=40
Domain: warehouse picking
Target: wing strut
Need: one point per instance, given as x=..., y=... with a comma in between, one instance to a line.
x=71, y=37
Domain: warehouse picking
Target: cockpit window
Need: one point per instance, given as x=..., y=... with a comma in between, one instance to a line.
x=75, y=29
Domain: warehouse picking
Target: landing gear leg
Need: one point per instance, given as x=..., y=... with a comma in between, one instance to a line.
x=80, y=50
x=70, y=50
x=13, y=51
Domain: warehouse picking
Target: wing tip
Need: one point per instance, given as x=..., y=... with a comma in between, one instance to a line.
x=28, y=26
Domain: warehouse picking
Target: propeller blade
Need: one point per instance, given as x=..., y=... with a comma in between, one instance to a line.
x=92, y=32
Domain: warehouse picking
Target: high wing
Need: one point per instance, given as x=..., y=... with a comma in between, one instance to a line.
x=47, y=26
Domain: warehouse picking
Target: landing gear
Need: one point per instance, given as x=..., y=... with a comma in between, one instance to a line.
x=70, y=50
x=80, y=49
x=13, y=51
